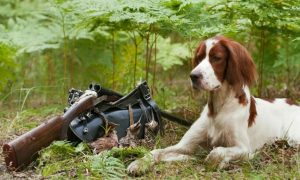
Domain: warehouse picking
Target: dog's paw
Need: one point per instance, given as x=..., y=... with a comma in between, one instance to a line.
x=216, y=158
x=136, y=168
x=140, y=166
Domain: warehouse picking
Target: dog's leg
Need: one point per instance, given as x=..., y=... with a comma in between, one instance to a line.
x=196, y=135
x=220, y=156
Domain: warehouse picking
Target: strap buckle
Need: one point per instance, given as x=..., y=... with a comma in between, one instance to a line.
x=145, y=91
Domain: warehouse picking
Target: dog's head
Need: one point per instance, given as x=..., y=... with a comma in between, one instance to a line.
x=220, y=59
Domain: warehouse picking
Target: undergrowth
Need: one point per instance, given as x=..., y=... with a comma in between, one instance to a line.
x=64, y=159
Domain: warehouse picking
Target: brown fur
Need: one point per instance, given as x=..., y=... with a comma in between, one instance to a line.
x=270, y=100
x=199, y=54
x=240, y=68
x=210, y=105
x=291, y=102
x=219, y=65
x=253, y=112
x=243, y=99
x=225, y=139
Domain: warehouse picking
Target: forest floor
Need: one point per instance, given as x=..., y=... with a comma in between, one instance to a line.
x=274, y=161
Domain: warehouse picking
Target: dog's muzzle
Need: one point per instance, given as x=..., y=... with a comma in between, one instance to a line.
x=196, y=80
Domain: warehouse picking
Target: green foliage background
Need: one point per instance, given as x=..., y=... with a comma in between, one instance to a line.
x=49, y=46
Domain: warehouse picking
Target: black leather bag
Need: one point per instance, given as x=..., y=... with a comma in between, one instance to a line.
x=91, y=125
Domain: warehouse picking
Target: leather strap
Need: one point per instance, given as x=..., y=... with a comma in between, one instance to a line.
x=140, y=95
x=147, y=97
x=144, y=110
x=130, y=114
x=176, y=119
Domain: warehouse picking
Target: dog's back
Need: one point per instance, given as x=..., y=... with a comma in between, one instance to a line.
x=276, y=118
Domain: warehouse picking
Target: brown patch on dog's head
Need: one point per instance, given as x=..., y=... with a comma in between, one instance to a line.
x=253, y=112
x=199, y=54
x=218, y=58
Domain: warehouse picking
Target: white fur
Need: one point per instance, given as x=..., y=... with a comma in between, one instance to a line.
x=275, y=120
x=230, y=124
x=210, y=80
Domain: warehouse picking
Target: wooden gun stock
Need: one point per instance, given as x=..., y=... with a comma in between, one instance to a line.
x=23, y=150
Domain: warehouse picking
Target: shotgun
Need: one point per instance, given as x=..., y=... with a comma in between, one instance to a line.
x=23, y=150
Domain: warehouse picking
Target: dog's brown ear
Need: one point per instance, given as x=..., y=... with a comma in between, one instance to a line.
x=240, y=69
x=199, y=54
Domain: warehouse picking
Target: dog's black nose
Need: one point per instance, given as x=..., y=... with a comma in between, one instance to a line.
x=195, y=77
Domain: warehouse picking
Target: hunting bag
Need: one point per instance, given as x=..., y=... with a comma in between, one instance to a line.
x=123, y=111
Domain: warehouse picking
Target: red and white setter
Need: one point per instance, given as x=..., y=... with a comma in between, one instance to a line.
x=233, y=124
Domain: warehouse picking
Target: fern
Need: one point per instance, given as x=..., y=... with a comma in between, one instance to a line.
x=7, y=65
x=61, y=158
x=170, y=54
x=107, y=166
x=126, y=155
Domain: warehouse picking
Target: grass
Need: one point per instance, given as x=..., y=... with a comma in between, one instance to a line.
x=13, y=123
x=275, y=161
x=64, y=161
x=16, y=122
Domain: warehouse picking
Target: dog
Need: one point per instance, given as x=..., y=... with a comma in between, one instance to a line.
x=233, y=124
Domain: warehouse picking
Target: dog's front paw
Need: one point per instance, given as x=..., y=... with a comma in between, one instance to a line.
x=216, y=158
x=140, y=166
x=136, y=168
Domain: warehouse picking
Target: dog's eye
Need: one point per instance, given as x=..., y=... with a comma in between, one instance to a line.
x=215, y=58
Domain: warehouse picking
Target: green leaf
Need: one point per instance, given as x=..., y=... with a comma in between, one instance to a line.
x=170, y=54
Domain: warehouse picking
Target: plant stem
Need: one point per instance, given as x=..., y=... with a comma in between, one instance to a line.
x=65, y=49
x=147, y=56
x=261, y=64
x=113, y=59
x=155, y=60
x=135, y=59
x=287, y=67
x=50, y=69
